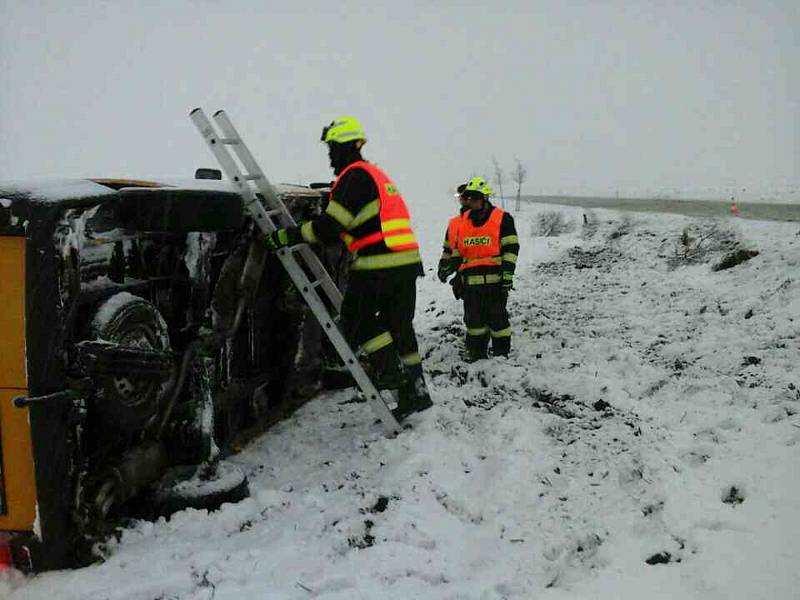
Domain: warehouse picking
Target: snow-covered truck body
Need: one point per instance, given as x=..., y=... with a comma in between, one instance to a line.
x=143, y=328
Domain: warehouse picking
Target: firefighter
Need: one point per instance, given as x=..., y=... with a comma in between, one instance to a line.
x=367, y=211
x=483, y=246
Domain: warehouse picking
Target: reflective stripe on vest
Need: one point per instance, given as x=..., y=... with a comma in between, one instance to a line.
x=478, y=245
x=387, y=260
x=396, y=230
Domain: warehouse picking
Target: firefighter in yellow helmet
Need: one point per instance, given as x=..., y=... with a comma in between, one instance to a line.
x=367, y=212
x=482, y=247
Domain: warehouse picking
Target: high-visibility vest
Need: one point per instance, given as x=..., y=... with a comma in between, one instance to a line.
x=452, y=230
x=479, y=246
x=395, y=230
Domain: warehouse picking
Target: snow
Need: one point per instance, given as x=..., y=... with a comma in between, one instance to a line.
x=224, y=477
x=75, y=234
x=54, y=190
x=110, y=308
x=636, y=398
x=198, y=244
x=222, y=185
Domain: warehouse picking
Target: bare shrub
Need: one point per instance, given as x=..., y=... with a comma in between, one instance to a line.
x=734, y=258
x=590, y=224
x=700, y=243
x=518, y=176
x=551, y=223
x=498, y=179
x=623, y=228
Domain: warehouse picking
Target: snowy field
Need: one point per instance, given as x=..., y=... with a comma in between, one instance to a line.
x=648, y=414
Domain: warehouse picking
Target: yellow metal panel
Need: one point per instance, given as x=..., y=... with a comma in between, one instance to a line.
x=121, y=183
x=18, y=483
x=12, y=315
x=18, y=507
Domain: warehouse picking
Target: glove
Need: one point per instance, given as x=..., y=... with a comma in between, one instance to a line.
x=282, y=237
x=445, y=270
x=458, y=286
x=508, y=282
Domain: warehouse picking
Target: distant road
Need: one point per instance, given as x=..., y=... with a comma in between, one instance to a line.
x=691, y=208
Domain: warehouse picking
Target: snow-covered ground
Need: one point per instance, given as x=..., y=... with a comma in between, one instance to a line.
x=647, y=413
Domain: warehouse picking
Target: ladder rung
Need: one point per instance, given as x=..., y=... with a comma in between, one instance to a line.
x=230, y=141
x=311, y=285
x=255, y=200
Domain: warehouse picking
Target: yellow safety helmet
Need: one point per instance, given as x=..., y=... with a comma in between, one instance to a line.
x=342, y=130
x=478, y=184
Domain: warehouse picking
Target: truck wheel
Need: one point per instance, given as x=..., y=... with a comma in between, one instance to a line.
x=207, y=486
x=128, y=320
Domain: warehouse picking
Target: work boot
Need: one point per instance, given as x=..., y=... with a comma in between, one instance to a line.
x=336, y=378
x=413, y=397
x=387, y=380
x=477, y=347
x=471, y=357
x=385, y=371
x=405, y=405
x=421, y=395
x=501, y=346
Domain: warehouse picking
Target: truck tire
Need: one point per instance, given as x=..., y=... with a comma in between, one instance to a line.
x=207, y=486
x=128, y=403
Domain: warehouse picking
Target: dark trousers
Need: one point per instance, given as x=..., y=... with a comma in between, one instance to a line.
x=486, y=317
x=377, y=316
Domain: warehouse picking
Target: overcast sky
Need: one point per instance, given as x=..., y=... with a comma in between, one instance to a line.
x=591, y=96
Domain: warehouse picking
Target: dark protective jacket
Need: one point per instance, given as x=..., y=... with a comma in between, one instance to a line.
x=353, y=213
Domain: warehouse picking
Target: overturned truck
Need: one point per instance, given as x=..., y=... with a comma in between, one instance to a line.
x=144, y=332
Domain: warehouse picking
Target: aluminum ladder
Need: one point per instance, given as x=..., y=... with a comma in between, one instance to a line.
x=252, y=184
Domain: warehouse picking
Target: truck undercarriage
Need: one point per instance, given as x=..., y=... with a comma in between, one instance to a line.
x=157, y=334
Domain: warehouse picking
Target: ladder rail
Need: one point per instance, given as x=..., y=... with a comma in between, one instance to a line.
x=288, y=257
x=252, y=203
x=263, y=184
x=321, y=273
x=247, y=159
x=307, y=289
x=228, y=164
